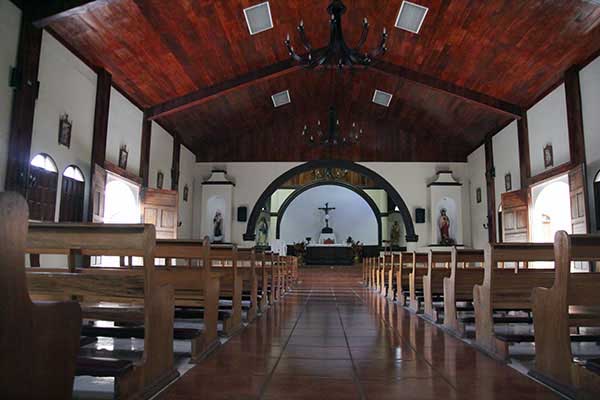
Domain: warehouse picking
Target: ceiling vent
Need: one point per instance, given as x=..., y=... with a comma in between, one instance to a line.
x=259, y=18
x=382, y=98
x=281, y=98
x=411, y=17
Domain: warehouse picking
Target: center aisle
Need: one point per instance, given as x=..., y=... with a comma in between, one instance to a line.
x=333, y=339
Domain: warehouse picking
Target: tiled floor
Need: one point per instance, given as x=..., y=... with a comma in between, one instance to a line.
x=333, y=339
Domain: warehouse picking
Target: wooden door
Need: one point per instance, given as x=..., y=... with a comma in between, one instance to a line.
x=515, y=216
x=71, y=200
x=579, y=220
x=98, y=194
x=159, y=207
x=41, y=194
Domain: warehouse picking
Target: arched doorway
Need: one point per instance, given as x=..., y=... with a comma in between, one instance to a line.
x=72, y=194
x=41, y=191
x=357, y=192
x=409, y=228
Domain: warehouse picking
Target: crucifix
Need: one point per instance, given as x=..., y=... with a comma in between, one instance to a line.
x=326, y=209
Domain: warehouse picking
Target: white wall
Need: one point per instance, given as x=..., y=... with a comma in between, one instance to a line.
x=478, y=211
x=409, y=179
x=352, y=216
x=10, y=23
x=187, y=162
x=506, y=160
x=124, y=128
x=548, y=124
x=590, y=97
x=161, y=156
x=67, y=85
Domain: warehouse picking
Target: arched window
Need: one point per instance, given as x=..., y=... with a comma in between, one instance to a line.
x=41, y=193
x=44, y=161
x=597, y=199
x=72, y=195
x=74, y=173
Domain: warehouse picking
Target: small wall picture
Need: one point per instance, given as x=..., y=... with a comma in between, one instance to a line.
x=478, y=195
x=548, y=156
x=160, y=179
x=64, y=130
x=186, y=192
x=508, y=182
x=123, y=154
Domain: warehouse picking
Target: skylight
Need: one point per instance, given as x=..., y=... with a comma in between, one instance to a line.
x=281, y=98
x=259, y=18
x=382, y=98
x=411, y=17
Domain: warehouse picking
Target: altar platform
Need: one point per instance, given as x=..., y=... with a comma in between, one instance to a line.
x=329, y=254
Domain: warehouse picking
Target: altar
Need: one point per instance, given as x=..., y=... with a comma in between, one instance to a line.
x=327, y=251
x=329, y=254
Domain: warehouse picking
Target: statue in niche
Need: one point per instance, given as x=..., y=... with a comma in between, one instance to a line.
x=444, y=225
x=395, y=234
x=218, y=227
x=263, y=232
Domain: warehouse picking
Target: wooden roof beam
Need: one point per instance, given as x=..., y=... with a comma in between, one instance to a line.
x=212, y=92
x=489, y=102
x=46, y=12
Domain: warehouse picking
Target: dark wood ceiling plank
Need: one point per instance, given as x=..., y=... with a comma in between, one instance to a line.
x=450, y=88
x=203, y=95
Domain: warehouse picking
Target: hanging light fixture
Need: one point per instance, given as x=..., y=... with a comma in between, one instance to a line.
x=337, y=53
x=333, y=135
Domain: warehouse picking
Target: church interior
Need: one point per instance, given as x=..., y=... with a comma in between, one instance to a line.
x=300, y=199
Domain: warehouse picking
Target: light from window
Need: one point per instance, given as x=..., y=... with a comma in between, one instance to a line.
x=44, y=161
x=597, y=177
x=74, y=173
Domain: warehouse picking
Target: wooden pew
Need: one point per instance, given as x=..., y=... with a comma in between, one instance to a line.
x=224, y=259
x=415, y=281
x=573, y=300
x=458, y=287
x=38, y=342
x=263, y=283
x=404, y=268
x=123, y=295
x=247, y=265
x=507, y=289
x=391, y=275
x=197, y=288
x=433, y=280
x=386, y=267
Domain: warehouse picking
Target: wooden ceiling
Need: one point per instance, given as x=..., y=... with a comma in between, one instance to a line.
x=193, y=65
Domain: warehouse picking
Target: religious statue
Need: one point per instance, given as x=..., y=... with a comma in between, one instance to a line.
x=263, y=232
x=218, y=227
x=444, y=225
x=395, y=234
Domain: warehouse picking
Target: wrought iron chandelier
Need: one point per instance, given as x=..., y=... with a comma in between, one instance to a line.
x=337, y=53
x=333, y=135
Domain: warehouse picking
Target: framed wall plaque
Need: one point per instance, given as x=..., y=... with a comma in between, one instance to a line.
x=508, y=182
x=160, y=179
x=478, y=195
x=123, y=154
x=548, y=156
x=64, y=131
x=186, y=191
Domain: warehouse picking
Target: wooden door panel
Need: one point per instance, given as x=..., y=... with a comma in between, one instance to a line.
x=159, y=207
x=579, y=222
x=41, y=194
x=71, y=200
x=515, y=216
x=98, y=193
